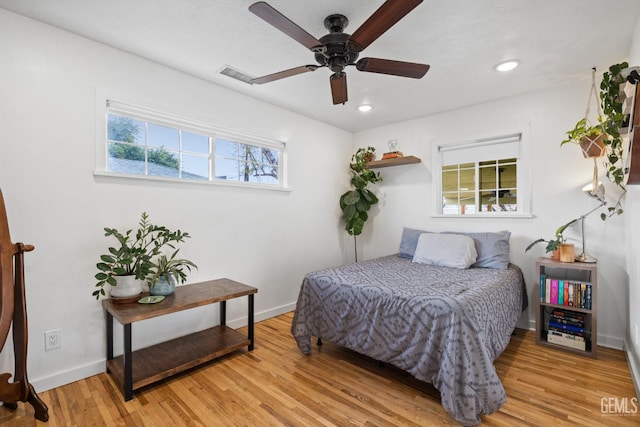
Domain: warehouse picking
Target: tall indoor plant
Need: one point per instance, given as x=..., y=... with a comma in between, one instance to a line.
x=355, y=203
x=133, y=255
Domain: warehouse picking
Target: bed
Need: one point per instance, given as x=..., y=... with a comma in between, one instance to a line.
x=444, y=325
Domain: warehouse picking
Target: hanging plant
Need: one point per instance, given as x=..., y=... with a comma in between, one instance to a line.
x=604, y=138
x=611, y=99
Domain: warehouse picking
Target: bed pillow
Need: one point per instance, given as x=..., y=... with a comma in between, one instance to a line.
x=492, y=247
x=409, y=242
x=447, y=250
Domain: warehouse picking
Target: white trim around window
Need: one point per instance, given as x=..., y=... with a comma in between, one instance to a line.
x=513, y=144
x=215, y=150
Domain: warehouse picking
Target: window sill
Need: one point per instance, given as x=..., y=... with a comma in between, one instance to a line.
x=219, y=183
x=514, y=215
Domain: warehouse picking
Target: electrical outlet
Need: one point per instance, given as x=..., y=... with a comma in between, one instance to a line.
x=52, y=339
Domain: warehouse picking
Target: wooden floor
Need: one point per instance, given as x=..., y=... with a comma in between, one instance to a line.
x=277, y=385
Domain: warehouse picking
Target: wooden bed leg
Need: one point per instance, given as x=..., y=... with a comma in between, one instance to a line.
x=319, y=341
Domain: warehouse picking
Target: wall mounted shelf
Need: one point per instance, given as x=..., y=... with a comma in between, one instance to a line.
x=406, y=160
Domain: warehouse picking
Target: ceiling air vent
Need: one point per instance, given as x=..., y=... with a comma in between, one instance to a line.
x=236, y=74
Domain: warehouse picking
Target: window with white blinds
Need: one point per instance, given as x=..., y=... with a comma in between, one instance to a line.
x=144, y=143
x=482, y=177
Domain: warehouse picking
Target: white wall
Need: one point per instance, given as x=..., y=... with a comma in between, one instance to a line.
x=632, y=245
x=558, y=176
x=48, y=81
x=267, y=239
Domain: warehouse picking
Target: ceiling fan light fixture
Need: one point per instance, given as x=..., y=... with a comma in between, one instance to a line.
x=365, y=108
x=505, y=66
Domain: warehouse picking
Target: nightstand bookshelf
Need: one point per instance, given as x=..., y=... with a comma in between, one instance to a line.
x=576, y=275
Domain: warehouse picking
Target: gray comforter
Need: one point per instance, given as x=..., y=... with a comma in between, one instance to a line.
x=443, y=325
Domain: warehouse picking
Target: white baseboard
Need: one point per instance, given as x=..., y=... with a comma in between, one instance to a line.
x=634, y=367
x=67, y=377
x=59, y=379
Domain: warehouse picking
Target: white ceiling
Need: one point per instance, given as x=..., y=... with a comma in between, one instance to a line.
x=555, y=40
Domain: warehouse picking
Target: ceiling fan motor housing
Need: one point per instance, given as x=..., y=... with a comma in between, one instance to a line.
x=336, y=53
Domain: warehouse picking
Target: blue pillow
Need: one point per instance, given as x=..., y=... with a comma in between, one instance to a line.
x=492, y=247
x=409, y=242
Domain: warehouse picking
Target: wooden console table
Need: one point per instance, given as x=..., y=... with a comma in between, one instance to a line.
x=134, y=370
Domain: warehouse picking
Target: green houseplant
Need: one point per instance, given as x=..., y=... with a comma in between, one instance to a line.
x=584, y=134
x=133, y=255
x=558, y=239
x=167, y=272
x=606, y=133
x=612, y=103
x=355, y=203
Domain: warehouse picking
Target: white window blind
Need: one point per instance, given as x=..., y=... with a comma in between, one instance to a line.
x=503, y=147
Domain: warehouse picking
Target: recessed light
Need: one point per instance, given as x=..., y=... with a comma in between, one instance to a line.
x=365, y=108
x=505, y=66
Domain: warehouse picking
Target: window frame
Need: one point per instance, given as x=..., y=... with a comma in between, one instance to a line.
x=107, y=105
x=522, y=174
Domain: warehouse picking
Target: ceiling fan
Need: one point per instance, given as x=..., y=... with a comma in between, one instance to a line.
x=337, y=50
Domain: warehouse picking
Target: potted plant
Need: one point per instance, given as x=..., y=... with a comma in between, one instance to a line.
x=604, y=138
x=554, y=245
x=355, y=203
x=130, y=261
x=166, y=272
x=589, y=137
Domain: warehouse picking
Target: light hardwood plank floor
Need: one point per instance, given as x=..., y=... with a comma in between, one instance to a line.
x=276, y=385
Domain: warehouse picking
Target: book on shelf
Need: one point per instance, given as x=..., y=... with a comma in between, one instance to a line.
x=553, y=298
x=568, y=332
x=392, y=155
x=547, y=296
x=569, y=293
x=567, y=340
x=567, y=321
x=567, y=314
x=556, y=326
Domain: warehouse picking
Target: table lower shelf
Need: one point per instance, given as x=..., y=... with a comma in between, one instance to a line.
x=163, y=360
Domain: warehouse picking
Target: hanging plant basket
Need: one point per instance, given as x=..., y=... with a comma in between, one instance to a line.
x=592, y=146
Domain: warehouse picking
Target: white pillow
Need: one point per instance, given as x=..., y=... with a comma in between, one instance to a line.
x=447, y=250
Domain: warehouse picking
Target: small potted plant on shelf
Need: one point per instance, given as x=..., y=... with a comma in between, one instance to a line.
x=166, y=272
x=558, y=246
x=128, y=263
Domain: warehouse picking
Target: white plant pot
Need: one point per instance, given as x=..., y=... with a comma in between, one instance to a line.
x=127, y=287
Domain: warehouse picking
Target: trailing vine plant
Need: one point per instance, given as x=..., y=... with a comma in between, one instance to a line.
x=613, y=122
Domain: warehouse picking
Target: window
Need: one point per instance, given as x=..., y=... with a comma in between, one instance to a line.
x=144, y=143
x=482, y=177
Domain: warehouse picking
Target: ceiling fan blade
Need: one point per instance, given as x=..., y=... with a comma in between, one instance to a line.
x=396, y=68
x=339, y=88
x=284, y=24
x=286, y=73
x=382, y=19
